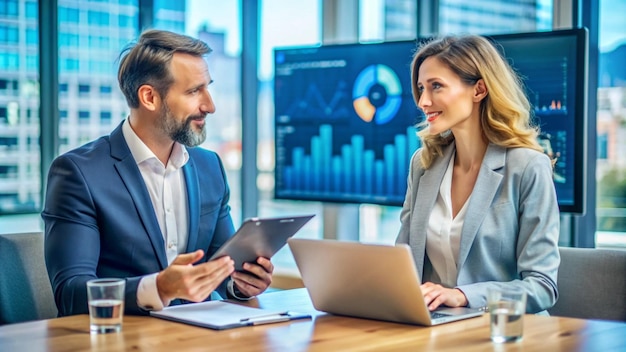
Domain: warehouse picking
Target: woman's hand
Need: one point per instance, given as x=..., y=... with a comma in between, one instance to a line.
x=436, y=295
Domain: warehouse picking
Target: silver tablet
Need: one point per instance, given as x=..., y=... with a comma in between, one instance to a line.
x=260, y=238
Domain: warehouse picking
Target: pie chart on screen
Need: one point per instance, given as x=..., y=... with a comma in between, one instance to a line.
x=377, y=94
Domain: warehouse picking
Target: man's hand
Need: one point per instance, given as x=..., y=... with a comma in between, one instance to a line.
x=436, y=295
x=256, y=279
x=194, y=283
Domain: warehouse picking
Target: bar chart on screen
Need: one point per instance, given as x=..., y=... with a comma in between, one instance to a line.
x=352, y=169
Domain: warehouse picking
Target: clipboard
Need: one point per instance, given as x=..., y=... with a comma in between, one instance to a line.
x=221, y=315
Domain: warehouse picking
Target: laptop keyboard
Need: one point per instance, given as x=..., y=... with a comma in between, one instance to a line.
x=435, y=315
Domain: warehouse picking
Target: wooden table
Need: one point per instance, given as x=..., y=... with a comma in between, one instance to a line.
x=321, y=333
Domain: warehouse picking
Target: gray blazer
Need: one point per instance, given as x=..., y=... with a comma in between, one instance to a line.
x=511, y=229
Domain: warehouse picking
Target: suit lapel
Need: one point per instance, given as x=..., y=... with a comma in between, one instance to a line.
x=130, y=175
x=191, y=180
x=427, y=193
x=487, y=184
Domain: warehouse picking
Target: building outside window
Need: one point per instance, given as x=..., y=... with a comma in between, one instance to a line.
x=611, y=129
x=20, y=186
x=91, y=36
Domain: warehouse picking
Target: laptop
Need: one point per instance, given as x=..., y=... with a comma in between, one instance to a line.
x=367, y=281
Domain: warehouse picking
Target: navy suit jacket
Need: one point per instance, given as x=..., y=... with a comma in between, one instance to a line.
x=100, y=222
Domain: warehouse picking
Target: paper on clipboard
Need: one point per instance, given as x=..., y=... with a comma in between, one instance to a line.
x=224, y=315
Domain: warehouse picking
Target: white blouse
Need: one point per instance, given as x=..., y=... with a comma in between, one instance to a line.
x=443, y=234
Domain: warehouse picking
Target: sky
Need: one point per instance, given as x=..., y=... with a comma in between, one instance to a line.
x=280, y=27
x=612, y=16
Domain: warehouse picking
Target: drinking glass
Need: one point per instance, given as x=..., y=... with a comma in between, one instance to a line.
x=106, y=305
x=506, y=308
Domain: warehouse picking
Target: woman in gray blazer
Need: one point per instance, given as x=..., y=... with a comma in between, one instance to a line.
x=481, y=208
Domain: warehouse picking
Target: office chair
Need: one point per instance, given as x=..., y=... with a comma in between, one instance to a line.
x=25, y=290
x=592, y=284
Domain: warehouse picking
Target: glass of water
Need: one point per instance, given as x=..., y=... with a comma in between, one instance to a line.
x=106, y=305
x=506, y=308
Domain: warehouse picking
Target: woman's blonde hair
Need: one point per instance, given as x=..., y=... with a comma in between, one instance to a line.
x=505, y=111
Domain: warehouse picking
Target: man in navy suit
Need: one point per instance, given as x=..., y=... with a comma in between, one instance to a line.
x=142, y=203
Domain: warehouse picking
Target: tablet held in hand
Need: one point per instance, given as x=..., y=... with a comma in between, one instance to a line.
x=260, y=237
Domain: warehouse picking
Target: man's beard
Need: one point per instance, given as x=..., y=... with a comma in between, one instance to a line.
x=181, y=132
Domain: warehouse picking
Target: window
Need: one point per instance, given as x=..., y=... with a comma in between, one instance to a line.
x=170, y=15
x=67, y=14
x=31, y=10
x=98, y=18
x=12, y=35
x=90, y=42
x=611, y=127
x=20, y=186
x=11, y=8
x=32, y=62
x=9, y=142
x=69, y=40
x=83, y=88
x=32, y=37
x=217, y=23
x=70, y=65
x=278, y=18
x=83, y=115
x=127, y=21
x=3, y=115
x=504, y=16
